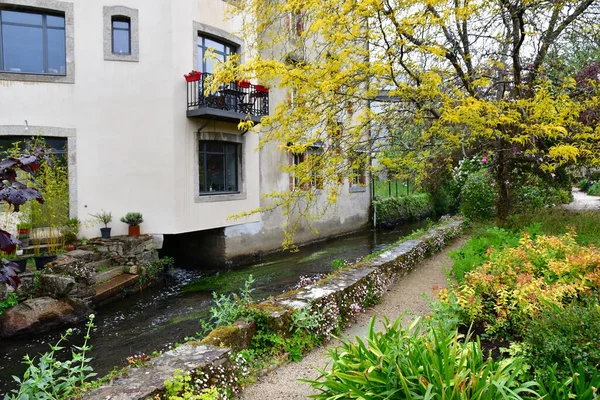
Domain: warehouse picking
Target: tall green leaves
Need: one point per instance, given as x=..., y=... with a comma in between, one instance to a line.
x=423, y=361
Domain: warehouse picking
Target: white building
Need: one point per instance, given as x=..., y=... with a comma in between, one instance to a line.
x=106, y=79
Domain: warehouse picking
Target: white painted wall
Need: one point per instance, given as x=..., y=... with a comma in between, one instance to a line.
x=135, y=147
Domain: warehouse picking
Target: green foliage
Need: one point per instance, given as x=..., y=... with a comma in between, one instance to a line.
x=103, y=217
x=594, y=190
x=180, y=387
x=338, y=263
x=558, y=222
x=393, y=210
x=576, y=386
x=421, y=361
x=11, y=301
x=477, y=196
x=155, y=269
x=51, y=379
x=229, y=308
x=584, y=184
x=565, y=337
x=505, y=294
x=54, y=212
x=132, y=218
x=479, y=248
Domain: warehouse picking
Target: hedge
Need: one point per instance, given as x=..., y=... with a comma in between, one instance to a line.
x=393, y=210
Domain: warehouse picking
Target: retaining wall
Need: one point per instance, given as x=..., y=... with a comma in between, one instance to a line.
x=336, y=295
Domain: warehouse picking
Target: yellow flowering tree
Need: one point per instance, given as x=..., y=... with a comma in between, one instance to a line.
x=423, y=78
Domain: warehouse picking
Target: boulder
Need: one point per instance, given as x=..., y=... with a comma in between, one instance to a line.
x=41, y=314
x=75, y=267
x=28, y=287
x=56, y=286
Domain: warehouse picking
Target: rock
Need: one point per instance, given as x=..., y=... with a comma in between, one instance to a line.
x=237, y=336
x=5, y=291
x=28, y=287
x=39, y=315
x=56, y=286
x=78, y=269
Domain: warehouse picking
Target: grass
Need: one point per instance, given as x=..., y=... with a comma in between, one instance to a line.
x=398, y=188
x=557, y=221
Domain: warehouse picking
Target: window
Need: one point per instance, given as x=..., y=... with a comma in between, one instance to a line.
x=358, y=165
x=218, y=167
x=313, y=157
x=121, y=34
x=220, y=50
x=32, y=42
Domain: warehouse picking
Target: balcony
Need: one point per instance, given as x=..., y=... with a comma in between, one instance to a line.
x=232, y=102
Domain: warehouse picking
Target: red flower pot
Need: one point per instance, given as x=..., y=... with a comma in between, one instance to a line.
x=243, y=84
x=193, y=76
x=261, y=88
x=134, y=230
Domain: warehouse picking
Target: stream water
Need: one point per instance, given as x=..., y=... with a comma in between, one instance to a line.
x=165, y=314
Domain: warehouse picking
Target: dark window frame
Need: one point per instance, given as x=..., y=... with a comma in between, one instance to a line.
x=202, y=165
x=120, y=18
x=44, y=14
x=233, y=49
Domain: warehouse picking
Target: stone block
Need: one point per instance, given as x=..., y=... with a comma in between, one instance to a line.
x=5, y=291
x=149, y=380
x=27, y=288
x=236, y=336
x=66, y=265
x=56, y=286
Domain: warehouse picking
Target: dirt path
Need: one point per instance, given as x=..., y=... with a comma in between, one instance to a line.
x=583, y=201
x=405, y=296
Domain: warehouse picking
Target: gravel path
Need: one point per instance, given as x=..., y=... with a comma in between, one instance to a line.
x=404, y=296
x=583, y=201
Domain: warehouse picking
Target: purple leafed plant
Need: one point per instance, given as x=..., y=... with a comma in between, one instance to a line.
x=15, y=194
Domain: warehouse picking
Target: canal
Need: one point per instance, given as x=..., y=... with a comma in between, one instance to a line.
x=165, y=314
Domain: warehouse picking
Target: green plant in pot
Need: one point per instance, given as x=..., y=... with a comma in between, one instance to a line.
x=17, y=258
x=103, y=217
x=133, y=219
x=24, y=228
x=70, y=232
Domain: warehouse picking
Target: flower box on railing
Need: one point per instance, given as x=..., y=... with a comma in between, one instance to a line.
x=193, y=76
x=245, y=84
x=261, y=89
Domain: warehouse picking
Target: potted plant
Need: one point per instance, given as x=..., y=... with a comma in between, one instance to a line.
x=70, y=232
x=193, y=76
x=133, y=219
x=17, y=258
x=244, y=83
x=40, y=257
x=104, y=217
x=24, y=228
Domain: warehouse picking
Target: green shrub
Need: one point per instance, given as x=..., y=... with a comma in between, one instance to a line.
x=594, y=190
x=564, y=337
x=49, y=378
x=419, y=362
x=393, y=210
x=11, y=301
x=584, y=184
x=477, y=196
x=479, y=248
x=576, y=386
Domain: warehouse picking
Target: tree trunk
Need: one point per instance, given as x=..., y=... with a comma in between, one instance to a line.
x=503, y=182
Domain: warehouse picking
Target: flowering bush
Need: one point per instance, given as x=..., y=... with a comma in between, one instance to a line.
x=514, y=285
x=477, y=196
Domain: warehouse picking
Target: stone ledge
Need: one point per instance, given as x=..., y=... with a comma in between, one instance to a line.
x=392, y=264
x=149, y=380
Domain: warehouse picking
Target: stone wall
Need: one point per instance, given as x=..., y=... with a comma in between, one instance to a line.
x=62, y=293
x=339, y=290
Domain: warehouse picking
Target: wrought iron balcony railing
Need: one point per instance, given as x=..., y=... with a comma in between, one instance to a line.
x=233, y=101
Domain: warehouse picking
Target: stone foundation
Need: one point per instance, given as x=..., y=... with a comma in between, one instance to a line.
x=68, y=284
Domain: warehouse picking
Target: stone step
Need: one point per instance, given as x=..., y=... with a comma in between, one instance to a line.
x=101, y=264
x=114, y=286
x=108, y=274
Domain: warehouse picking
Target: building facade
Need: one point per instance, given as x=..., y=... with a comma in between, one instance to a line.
x=107, y=80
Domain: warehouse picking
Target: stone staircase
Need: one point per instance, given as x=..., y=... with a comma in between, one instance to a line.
x=110, y=281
